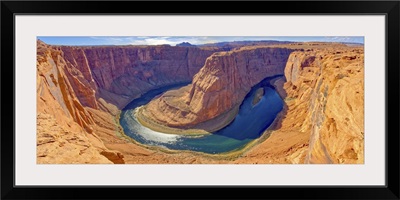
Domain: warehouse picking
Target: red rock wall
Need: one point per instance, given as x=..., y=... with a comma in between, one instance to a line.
x=119, y=74
x=226, y=78
x=75, y=83
x=66, y=130
x=221, y=84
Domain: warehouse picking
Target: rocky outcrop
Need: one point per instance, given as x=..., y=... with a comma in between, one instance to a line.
x=56, y=94
x=323, y=119
x=325, y=98
x=66, y=131
x=331, y=82
x=221, y=84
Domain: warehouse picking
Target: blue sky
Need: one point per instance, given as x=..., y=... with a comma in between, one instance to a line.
x=173, y=40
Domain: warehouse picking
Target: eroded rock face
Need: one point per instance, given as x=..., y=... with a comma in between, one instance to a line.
x=331, y=85
x=119, y=74
x=322, y=121
x=66, y=131
x=56, y=94
x=221, y=84
x=82, y=89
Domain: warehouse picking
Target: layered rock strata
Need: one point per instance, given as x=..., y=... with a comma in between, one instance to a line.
x=65, y=128
x=323, y=118
x=219, y=87
x=80, y=91
x=331, y=83
x=118, y=74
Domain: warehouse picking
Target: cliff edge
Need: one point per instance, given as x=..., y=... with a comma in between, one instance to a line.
x=219, y=87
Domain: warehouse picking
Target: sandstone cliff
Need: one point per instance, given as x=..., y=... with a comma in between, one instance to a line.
x=117, y=74
x=65, y=129
x=220, y=85
x=331, y=83
x=323, y=120
x=80, y=91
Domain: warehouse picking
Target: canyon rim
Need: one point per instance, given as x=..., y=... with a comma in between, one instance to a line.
x=200, y=100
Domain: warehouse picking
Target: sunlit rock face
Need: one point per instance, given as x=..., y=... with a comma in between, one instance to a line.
x=66, y=130
x=323, y=118
x=331, y=83
x=118, y=74
x=81, y=90
x=220, y=85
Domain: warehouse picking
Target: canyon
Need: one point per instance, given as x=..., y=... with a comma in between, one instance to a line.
x=221, y=84
x=81, y=91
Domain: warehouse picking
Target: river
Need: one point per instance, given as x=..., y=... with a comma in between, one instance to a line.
x=249, y=124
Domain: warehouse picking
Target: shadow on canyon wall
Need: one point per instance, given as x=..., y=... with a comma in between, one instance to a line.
x=283, y=113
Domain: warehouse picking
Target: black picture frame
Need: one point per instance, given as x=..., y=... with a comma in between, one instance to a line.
x=9, y=9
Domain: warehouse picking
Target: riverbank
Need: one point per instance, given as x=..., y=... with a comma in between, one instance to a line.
x=223, y=157
x=204, y=128
x=236, y=128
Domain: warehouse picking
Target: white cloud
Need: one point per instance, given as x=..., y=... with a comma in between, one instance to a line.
x=340, y=39
x=157, y=41
x=171, y=40
x=152, y=41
